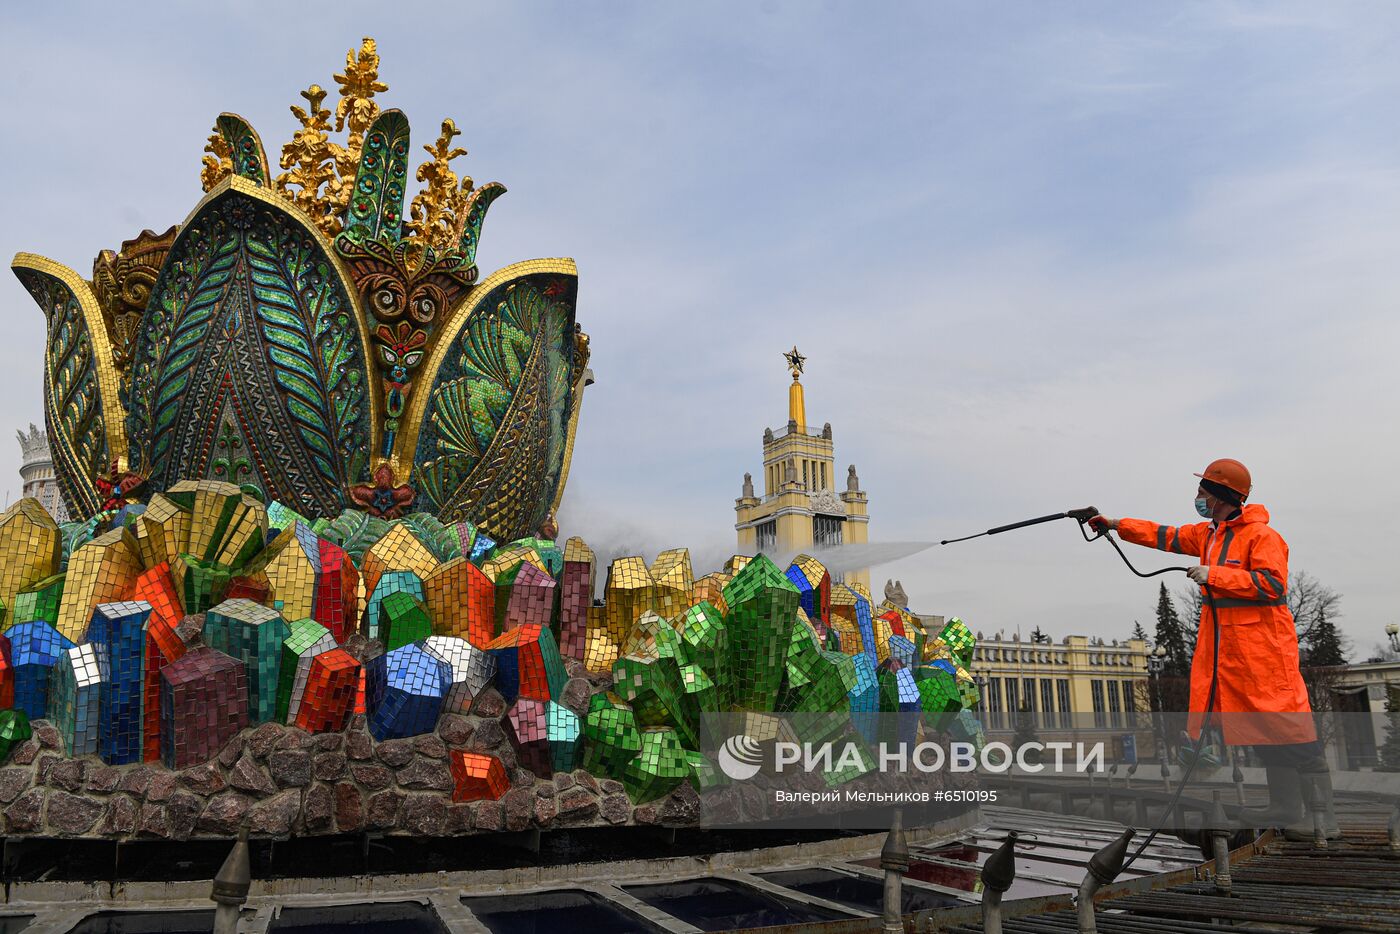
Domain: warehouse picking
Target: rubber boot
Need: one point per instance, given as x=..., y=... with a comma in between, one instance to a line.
x=1285, y=800
x=1314, y=771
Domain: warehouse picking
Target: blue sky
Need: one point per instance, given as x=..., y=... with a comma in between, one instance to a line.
x=1038, y=255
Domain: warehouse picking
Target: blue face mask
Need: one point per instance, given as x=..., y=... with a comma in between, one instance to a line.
x=1202, y=507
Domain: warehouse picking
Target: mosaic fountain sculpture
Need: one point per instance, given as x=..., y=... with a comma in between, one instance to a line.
x=319, y=590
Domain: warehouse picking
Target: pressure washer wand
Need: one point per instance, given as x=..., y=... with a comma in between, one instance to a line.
x=1082, y=515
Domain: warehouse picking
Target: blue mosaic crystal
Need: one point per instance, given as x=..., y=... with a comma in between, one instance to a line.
x=35, y=647
x=864, y=698
x=481, y=548
x=902, y=649
x=404, y=690
x=866, y=625
x=118, y=629
x=389, y=582
x=76, y=702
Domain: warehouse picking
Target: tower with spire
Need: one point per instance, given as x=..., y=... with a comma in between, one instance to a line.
x=804, y=505
x=37, y=474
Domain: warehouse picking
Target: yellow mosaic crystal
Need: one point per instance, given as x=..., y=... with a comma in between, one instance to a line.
x=735, y=564
x=600, y=651
x=843, y=607
x=103, y=570
x=453, y=603
x=29, y=549
x=883, y=631
x=291, y=573
x=167, y=530
x=216, y=507
x=861, y=589
x=711, y=588
x=398, y=550
x=674, y=583
x=848, y=632
x=628, y=593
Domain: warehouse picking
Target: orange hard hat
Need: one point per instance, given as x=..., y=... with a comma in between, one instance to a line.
x=1229, y=473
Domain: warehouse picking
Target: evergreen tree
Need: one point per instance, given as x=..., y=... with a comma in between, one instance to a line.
x=1139, y=632
x=1038, y=637
x=1171, y=635
x=1323, y=646
x=1390, y=749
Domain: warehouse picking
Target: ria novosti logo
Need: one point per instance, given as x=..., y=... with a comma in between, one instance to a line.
x=740, y=757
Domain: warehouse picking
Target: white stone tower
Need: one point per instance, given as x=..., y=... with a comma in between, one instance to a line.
x=37, y=472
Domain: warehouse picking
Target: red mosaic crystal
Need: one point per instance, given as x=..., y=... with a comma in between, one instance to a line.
x=203, y=704
x=248, y=588
x=527, y=722
x=163, y=646
x=477, y=776
x=157, y=587
x=337, y=595
x=531, y=599
x=331, y=686
x=7, y=675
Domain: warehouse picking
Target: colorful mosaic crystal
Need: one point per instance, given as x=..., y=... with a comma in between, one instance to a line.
x=528, y=664
x=203, y=703
x=254, y=635
x=610, y=730
x=462, y=601
x=306, y=640
x=813, y=585
x=101, y=571
x=575, y=597
x=337, y=593
x=29, y=550
x=404, y=691
x=403, y=619
x=762, y=608
x=477, y=776
x=35, y=648
x=658, y=767
x=531, y=599
x=118, y=631
x=75, y=705
x=471, y=669
x=329, y=698
x=163, y=646
x=292, y=563
x=14, y=729
x=40, y=601
x=390, y=582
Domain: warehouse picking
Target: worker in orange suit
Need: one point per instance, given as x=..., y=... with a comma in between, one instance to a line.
x=1260, y=697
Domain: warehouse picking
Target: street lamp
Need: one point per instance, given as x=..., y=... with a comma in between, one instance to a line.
x=1393, y=631
x=1156, y=662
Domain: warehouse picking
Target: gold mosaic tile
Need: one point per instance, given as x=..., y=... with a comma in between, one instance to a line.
x=291, y=573
x=711, y=588
x=674, y=583
x=600, y=651
x=398, y=550
x=735, y=564
x=29, y=549
x=103, y=570
x=628, y=594
x=167, y=527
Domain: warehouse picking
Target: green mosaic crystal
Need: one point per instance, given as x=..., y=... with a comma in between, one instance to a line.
x=762, y=611
x=642, y=640
x=653, y=689
x=959, y=639
x=706, y=643
x=565, y=734
x=253, y=634
x=658, y=768
x=307, y=640
x=200, y=583
x=280, y=516
x=967, y=728
x=700, y=696
x=970, y=694
x=703, y=774
x=403, y=619
x=938, y=696
x=14, y=729
x=40, y=601
x=610, y=734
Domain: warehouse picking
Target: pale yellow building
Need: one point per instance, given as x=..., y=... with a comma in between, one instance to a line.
x=1076, y=685
x=799, y=509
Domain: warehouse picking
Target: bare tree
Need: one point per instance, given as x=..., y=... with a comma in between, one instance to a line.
x=1311, y=602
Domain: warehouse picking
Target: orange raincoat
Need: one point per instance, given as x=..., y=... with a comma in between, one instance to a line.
x=1260, y=691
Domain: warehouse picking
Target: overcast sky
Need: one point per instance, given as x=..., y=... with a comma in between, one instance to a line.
x=1038, y=255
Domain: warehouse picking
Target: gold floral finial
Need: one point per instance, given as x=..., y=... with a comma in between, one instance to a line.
x=310, y=159
x=358, y=85
x=218, y=165
x=435, y=212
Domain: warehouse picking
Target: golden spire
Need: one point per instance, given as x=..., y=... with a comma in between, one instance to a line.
x=797, y=406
